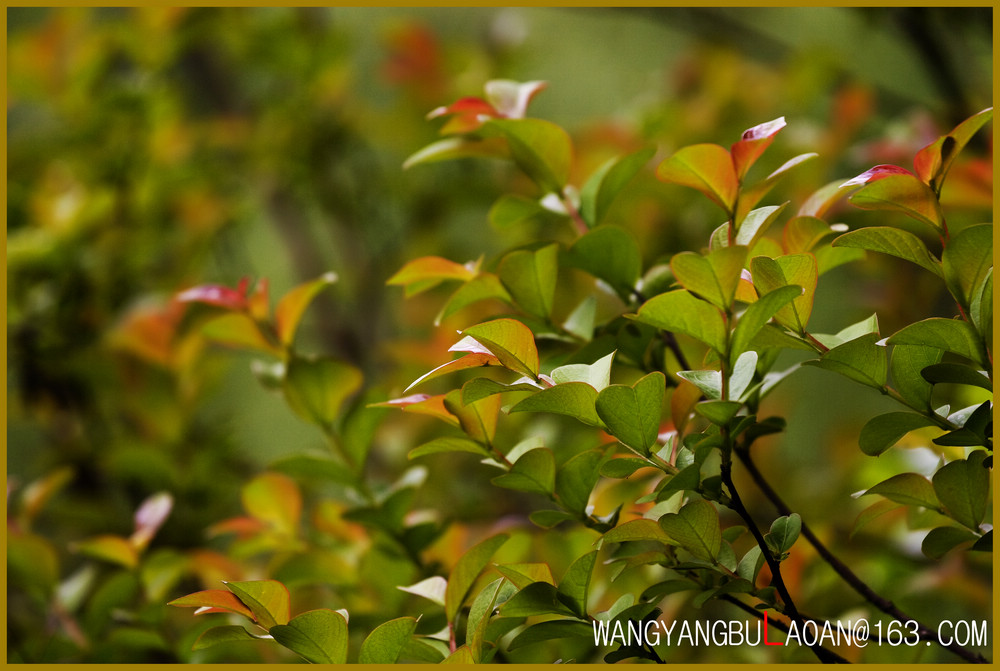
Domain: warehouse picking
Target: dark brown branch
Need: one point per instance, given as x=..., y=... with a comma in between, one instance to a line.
x=844, y=571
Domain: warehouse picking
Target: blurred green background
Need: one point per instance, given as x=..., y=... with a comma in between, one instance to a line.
x=153, y=149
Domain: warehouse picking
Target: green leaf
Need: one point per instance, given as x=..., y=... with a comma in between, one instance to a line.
x=466, y=570
x=909, y=489
x=534, y=472
x=907, y=365
x=387, y=641
x=292, y=305
x=581, y=321
x=530, y=277
x=318, y=636
x=575, y=584
x=966, y=260
x=963, y=487
x=759, y=313
x=792, y=269
x=856, y=330
x=576, y=478
x=110, y=548
x=953, y=373
x=449, y=444
x=705, y=167
x=463, y=655
x=952, y=335
x=742, y=375
x=607, y=182
x=750, y=196
x=883, y=431
x=597, y=374
x=804, y=234
x=432, y=588
x=680, y=312
x=714, y=277
x=524, y=573
x=696, y=528
x=538, y=598
x=894, y=241
x=574, y=399
x=479, y=617
x=981, y=309
x=750, y=565
x=510, y=341
x=783, y=534
x=267, y=599
x=610, y=253
x=823, y=199
x=756, y=223
x=316, y=389
x=552, y=630
x=540, y=148
x=901, y=193
x=872, y=512
x=941, y=540
x=861, y=359
x=632, y=414
x=547, y=519
x=224, y=634
x=636, y=530
x=512, y=210
x=484, y=286
x=623, y=467
x=451, y=148
x=719, y=413
x=480, y=387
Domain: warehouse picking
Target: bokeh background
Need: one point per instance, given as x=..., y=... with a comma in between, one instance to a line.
x=153, y=149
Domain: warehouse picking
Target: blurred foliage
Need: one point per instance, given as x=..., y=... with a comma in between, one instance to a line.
x=153, y=149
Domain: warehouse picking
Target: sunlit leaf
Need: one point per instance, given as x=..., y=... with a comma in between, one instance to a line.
x=894, y=241
x=855, y=330
x=908, y=489
x=607, y=182
x=751, y=195
x=215, y=600
x=680, y=312
x=448, y=444
x=292, y=305
x=574, y=399
x=422, y=404
x=900, y=192
x=705, y=167
x=473, y=360
x=432, y=588
x=510, y=341
x=318, y=636
x=952, y=335
x=759, y=313
x=714, y=277
x=463, y=655
x=804, y=234
x=540, y=148
x=479, y=617
x=788, y=270
x=966, y=260
x=755, y=224
x=823, y=199
x=477, y=419
x=268, y=600
x=533, y=472
x=933, y=161
x=753, y=143
x=597, y=374
x=114, y=549
x=575, y=584
x=274, y=499
x=530, y=277
x=632, y=414
x=963, y=486
x=466, y=570
x=451, y=148
x=236, y=329
x=696, y=528
x=637, y=530
x=386, y=642
x=861, y=359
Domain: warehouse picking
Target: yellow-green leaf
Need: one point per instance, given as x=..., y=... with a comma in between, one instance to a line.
x=292, y=305
x=268, y=600
x=318, y=636
x=705, y=167
x=510, y=341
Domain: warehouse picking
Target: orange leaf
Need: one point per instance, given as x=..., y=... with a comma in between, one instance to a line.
x=213, y=601
x=288, y=313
